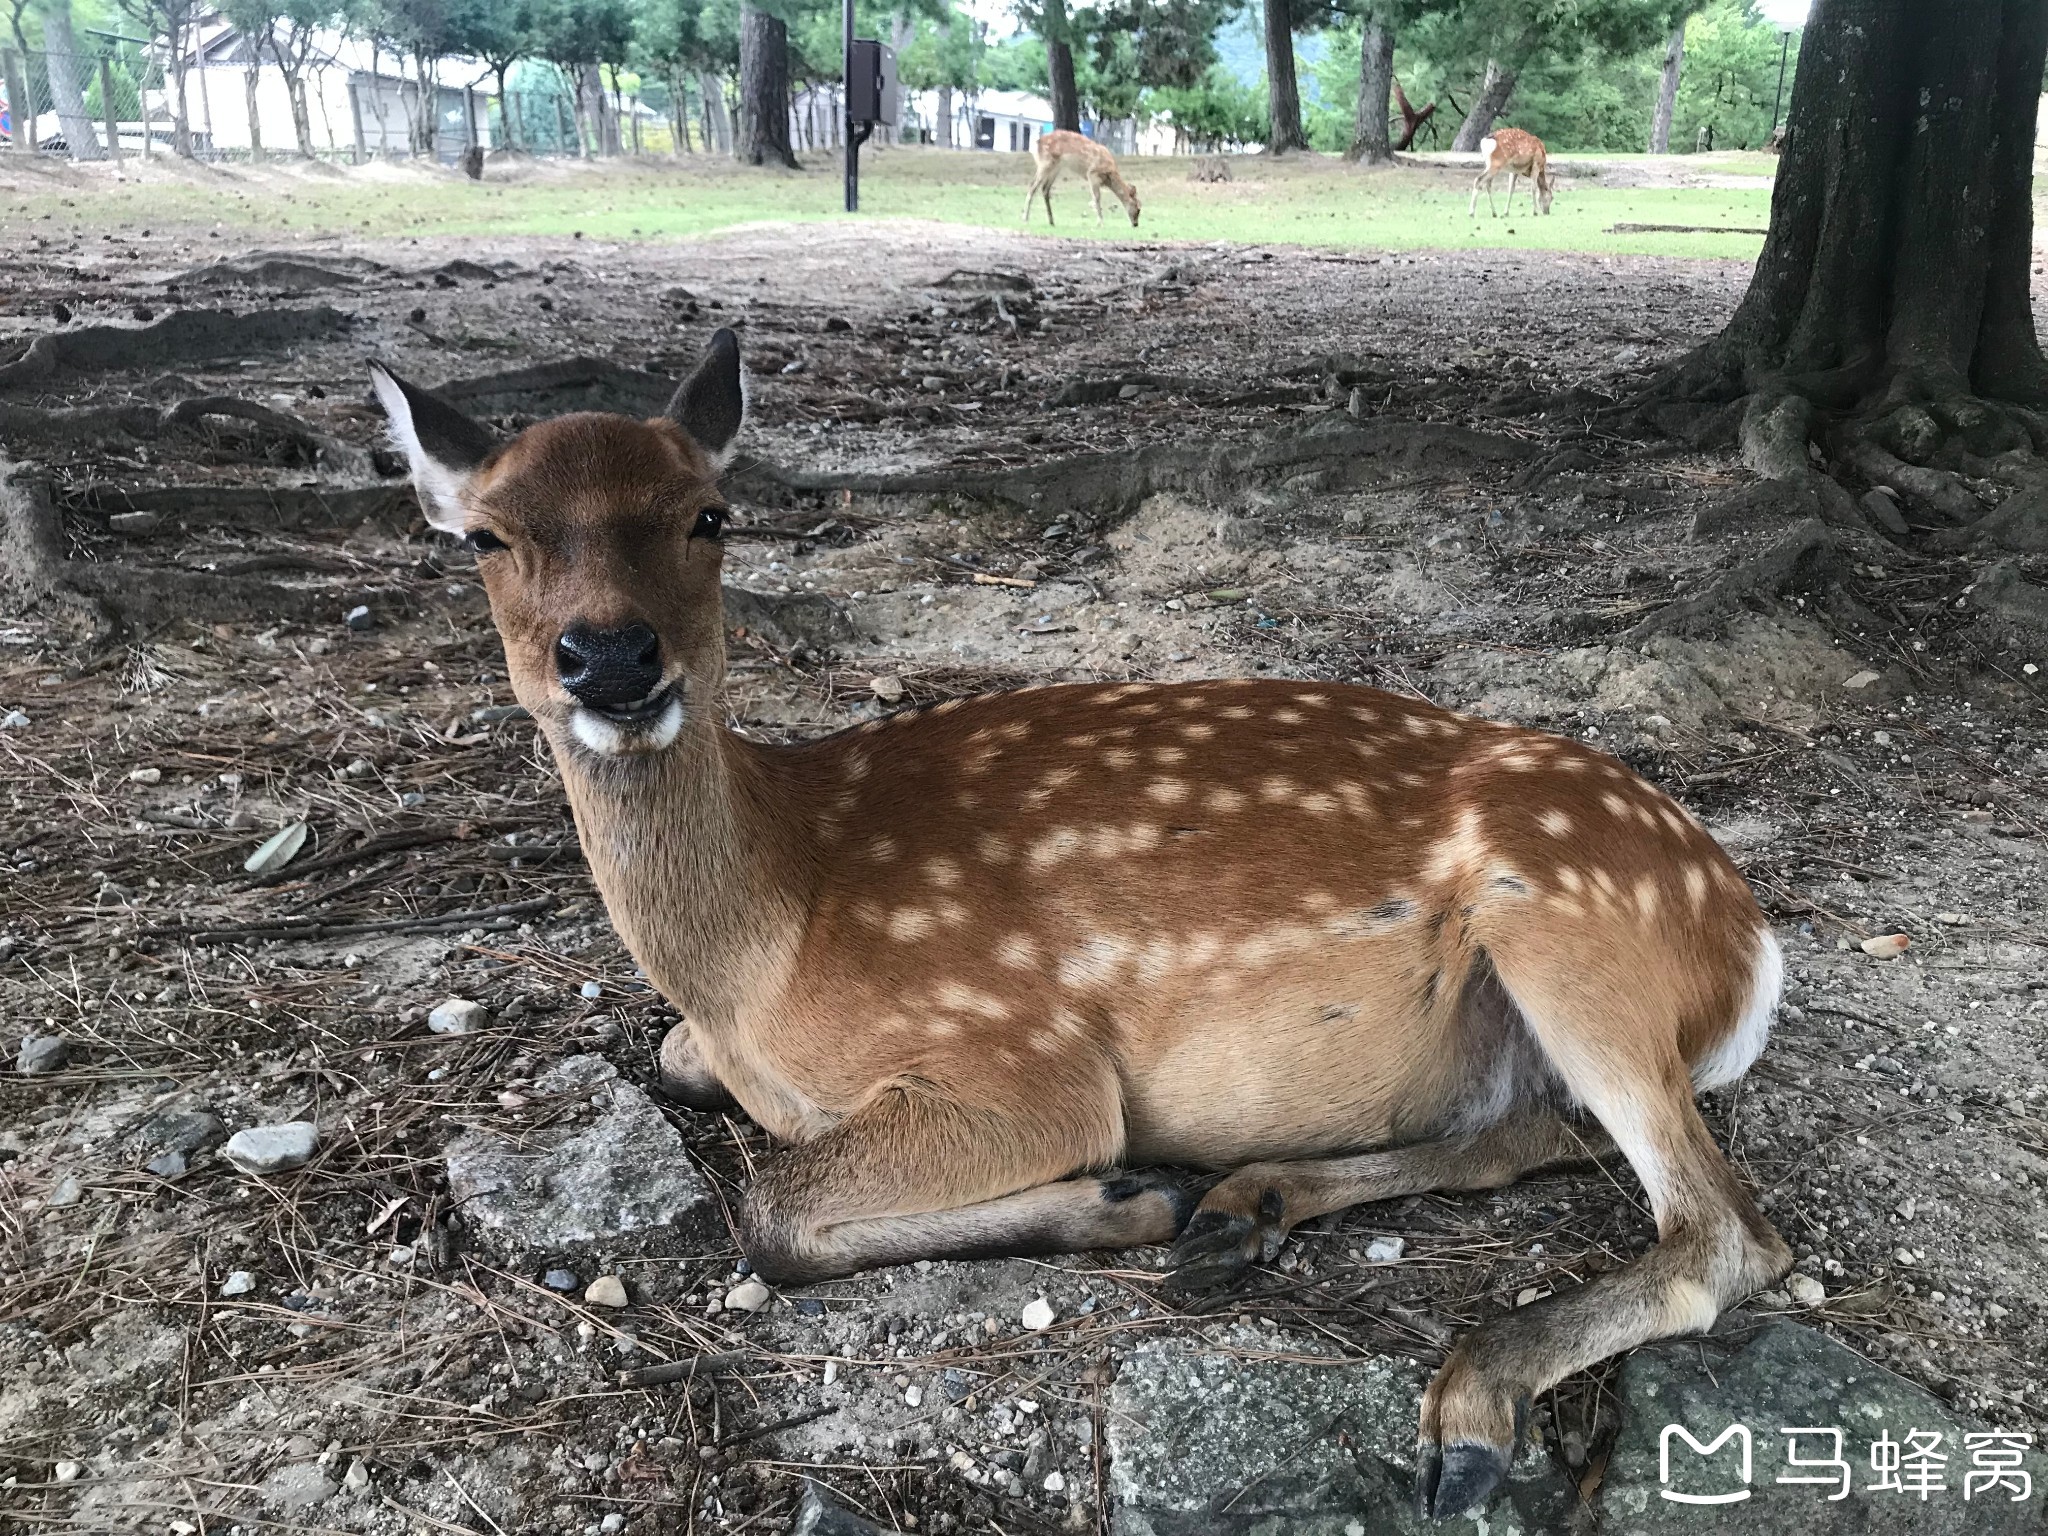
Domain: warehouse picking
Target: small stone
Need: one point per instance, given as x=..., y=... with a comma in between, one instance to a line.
x=274, y=1148
x=1385, y=1250
x=563, y=1280
x=1886, y=946
x=145, y=776
x=592, y=990
x=888, y=688
x=1038, y=1315
x=458, y=1016
x=913, y=1397
x=1861, y=680
x=606, y=1291
x=277, y=850
x=1805, y=1290
x=1907, y=1210
x=66, y=1191
x=359, y=618
x=40, y=1054
x=67, y=1471
x=14, y=720
x=1055, y=1482
x=612, y=1522
x=168, y=1165
x=932, y=384
x=357, y=1478
x=747, y=1296
x=1528, y=1294
x=240, y=1283
x=831, y=1372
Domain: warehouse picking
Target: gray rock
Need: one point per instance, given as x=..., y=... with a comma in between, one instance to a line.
x=167, y=1165
x=563, y=1280
x=43, y=1053
x=297, y=1486
x=623, y=1174
x=1206, y=1443
x=822, y=1515
x=66, y=1191
x=274, y=1148
x=182, y=1130
x=239, y=1283
x=458, y=1016
x=1767, y=1375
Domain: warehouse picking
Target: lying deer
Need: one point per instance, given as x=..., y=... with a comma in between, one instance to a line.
x=1055, y=151
x=982, y=965
x=1519, y=154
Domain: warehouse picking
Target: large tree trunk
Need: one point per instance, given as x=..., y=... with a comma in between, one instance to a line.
x=944, y=126
x=66, y=65
x=1667, y=91
x=1491, y=101
x=763, y=137
x=1059, y=68
x=1283, y=95
x=1369, y=141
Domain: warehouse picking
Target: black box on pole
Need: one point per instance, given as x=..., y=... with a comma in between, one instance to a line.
x=872, y=94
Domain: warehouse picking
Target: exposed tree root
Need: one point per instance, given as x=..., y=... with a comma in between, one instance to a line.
x=184, y=336
x=258, y=508
x=1806, y=550
x=1338, y=449
x=553, y=389
x=271, y=436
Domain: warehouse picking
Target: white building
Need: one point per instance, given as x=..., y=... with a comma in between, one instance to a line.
x=1013, y=121
x=358, y=106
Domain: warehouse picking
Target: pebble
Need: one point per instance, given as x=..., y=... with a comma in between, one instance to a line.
x=612, y=1522
x=1055, y=1482
x=831, y=1372
x=913, y=1397
x=14, y=720
x=66, y=1191
x=1384, y=1250
x=606, y=1291
x=887, y=688
x=1886, y=946
x=41, y=1054
x=747, y=1296
x=458, y=1016
x=357, y=1478
x=274, y=1148
x=359, y=617
x=240, y=1283
x=67, y=1471
x=592, y=990
x=563, y=1280
x=1805, y=1290
x=167, y=1165
x=1038, y=1315
x=933, y=384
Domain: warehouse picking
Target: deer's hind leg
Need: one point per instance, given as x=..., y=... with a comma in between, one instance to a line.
x=915, y=1175
x=686, y=1076
x=1483, y=179
x=1243, y=1220
x=1610, y=1033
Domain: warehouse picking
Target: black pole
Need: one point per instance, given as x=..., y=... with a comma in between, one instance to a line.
x=846, y=105
x=1784, y=47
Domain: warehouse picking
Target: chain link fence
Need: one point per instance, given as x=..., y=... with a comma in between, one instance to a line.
x=89, y=105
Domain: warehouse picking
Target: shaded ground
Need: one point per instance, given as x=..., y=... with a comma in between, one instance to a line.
x=1873, y=753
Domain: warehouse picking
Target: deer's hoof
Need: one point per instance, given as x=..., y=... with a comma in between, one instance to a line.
x=1451, y=1480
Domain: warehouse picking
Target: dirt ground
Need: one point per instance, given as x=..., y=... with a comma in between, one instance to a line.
x=1875, y=756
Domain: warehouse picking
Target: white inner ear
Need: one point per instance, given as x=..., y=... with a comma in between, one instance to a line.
x=440, y=485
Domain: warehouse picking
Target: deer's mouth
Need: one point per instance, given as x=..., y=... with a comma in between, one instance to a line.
x=641, y=725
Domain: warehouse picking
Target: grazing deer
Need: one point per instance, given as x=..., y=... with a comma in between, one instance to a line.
x=982, y=965
x=1055, y=151
x=1519, y=154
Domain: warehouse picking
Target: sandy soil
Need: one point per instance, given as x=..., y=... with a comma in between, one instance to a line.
x=1876, y=774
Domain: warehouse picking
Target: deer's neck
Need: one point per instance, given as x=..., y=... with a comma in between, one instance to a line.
x=699, y=858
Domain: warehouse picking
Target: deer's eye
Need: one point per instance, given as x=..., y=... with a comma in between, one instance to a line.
x=710, y=523
x=483, y=541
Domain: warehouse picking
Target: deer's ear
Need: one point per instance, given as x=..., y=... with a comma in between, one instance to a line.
x=443, y=446
x=711, y=403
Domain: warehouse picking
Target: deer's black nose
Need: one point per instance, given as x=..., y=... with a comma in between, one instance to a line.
x=606, y=668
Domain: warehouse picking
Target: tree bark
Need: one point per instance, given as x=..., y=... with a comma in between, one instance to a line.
x=944, y=126
x=252, y=74
x=763, y=137
x=717, y=121
x=1667, y=91
x=81, y=138
x=1491, y=101
x=1369, y=141
x=1059, y=67
x=1283, y=94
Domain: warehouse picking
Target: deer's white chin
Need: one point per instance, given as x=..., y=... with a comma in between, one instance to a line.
x=603, y=736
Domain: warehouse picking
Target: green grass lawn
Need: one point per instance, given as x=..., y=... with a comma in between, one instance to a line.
x=1314, y=201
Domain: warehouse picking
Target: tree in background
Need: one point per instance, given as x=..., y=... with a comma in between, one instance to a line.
x=945, y=55
x=254, y=21
x=1216, y=112
x=294, y=43
x=680, y=41
x=1283, y=90
x=1502, y=39
x=1369, y=140
x=1667, y=81
x=175, y=21
x=762, y=136
x=1055, y=29
x=81, y=138
x=1731, y=77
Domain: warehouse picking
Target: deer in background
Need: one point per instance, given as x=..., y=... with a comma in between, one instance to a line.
x=1519, y=154
x=983, y=966
x=1057, y=150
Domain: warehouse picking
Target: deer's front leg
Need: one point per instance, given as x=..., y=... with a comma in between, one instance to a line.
x=913, y=1175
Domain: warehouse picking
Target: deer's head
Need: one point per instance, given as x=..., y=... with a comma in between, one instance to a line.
x=1131, y=203
x=597, y=538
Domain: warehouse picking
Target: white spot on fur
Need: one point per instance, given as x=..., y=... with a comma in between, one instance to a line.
x=1556, y=823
